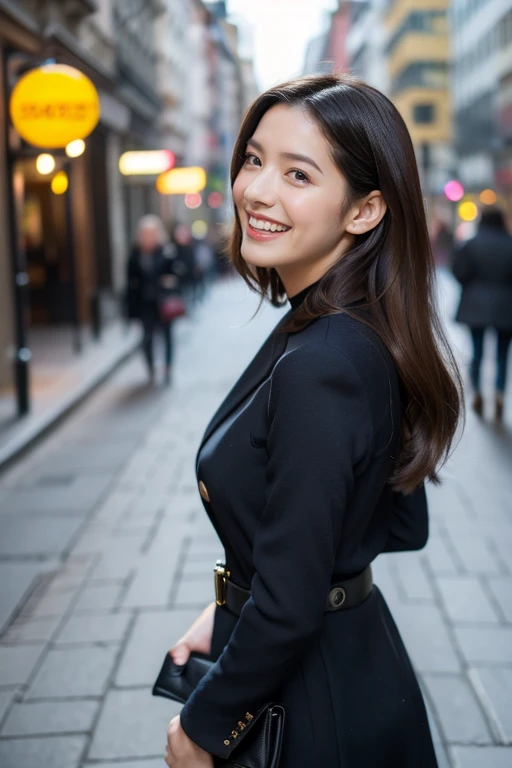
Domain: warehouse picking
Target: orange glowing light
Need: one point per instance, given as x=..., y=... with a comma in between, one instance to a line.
x=488, y=197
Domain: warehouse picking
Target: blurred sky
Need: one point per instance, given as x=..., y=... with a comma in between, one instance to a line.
x=278, y=32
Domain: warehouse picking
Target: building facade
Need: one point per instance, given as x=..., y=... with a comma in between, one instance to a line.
x=503, y=173
x=63, y=256
x=418, y=55
x=366, y=43
x=482, y=93
x=168, y=75
x=328, y=51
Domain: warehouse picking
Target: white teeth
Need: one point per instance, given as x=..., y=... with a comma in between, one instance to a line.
x=267, y=226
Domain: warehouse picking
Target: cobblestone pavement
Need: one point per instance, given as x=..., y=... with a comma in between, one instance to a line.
x=106, y=517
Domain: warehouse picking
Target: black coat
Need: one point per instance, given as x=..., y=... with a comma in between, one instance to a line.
x=483, y=266
x=145, y=285
x=296, y=463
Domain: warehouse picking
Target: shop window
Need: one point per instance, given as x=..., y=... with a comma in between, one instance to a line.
x=424, y=114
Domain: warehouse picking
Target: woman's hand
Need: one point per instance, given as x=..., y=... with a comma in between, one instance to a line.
x=197, y=638
x=182, y=752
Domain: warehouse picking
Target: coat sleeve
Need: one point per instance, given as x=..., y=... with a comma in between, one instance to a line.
x=319, y=431
x=409, y=521
x=132, y=291
x=131, y=270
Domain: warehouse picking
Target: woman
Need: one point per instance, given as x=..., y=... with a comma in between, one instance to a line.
x=152, y=273
x=483, y=266
x=315, y=462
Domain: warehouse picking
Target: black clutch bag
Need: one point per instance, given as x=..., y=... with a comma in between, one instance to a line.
x=263, y=737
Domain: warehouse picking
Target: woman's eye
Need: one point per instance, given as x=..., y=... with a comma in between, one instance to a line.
x=251, y=159
x=300, y=176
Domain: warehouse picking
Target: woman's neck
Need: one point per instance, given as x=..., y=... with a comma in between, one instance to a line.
x=297, y=277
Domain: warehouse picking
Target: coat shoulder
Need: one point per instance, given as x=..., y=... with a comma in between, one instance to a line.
x=344, y=338
x=345, y=349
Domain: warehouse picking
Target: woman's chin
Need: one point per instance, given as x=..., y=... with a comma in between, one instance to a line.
x=256, y=257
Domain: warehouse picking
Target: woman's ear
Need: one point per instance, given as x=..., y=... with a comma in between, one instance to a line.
x=366, y=214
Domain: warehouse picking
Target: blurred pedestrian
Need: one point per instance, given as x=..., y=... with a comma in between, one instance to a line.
x=151, y=280
x=219, y=239
x=185, y=259
x=315, y=462
x=442, y=242
x=483, y=266
x=204, y=266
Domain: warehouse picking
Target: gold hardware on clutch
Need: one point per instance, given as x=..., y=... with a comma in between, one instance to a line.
x=234, y=734
x=221, y=577
x=226, y=742
x=241, y=725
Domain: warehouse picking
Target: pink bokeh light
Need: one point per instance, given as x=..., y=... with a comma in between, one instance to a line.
x=454, y=190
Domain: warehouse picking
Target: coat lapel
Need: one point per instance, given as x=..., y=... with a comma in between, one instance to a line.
x=257, y=370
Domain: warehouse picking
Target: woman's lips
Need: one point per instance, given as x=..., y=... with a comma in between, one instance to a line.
x=263, y=234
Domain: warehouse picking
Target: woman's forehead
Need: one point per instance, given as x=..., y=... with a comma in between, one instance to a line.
x=289, y=130
x=284, y=122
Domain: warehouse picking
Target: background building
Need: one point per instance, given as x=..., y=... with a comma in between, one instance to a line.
x=418, y=54
x=328, y=52
x=315, y=60
x=504, y=155
x=482, y=98
x=168, y=75
x=366, y=43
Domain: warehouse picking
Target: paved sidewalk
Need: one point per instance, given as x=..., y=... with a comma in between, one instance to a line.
x=105, y=515
x=60, y=379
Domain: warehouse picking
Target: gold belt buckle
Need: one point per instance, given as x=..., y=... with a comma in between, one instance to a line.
x=221, y=577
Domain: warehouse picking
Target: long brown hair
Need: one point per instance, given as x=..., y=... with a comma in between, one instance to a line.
x=390, y=267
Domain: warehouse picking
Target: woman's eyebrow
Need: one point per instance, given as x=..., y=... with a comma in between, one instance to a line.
x=287, y=155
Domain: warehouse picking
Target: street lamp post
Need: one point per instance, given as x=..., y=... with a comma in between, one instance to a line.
x=19, y=270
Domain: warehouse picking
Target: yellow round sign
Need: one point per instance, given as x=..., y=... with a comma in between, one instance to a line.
x=53, y=105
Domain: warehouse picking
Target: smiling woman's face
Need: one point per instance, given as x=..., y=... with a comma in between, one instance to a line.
x=290, y=197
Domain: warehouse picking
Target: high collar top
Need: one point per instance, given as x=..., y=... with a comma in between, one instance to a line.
x=297, y=300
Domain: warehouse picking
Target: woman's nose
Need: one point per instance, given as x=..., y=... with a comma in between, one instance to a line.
x=261, y=190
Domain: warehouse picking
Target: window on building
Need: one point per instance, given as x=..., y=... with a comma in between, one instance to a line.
x=423, y=114
x=425, y=22
x=421, y=74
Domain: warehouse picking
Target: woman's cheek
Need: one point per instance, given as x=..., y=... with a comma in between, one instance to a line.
x=238, y=190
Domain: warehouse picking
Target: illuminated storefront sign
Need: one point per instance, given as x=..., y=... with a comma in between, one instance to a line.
x=182, y=181
x=146, y=162
x=54, y=105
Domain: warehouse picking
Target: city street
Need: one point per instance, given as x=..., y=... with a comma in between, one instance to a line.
x=106, y=557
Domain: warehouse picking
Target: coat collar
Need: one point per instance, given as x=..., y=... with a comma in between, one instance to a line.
x=257, y=370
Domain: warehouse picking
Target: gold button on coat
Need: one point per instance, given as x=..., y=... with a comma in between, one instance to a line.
x=203, y=491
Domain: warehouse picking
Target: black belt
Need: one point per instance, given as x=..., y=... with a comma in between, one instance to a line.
x=348, y=593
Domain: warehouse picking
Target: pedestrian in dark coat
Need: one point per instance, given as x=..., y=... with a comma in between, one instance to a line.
x=483, y=266
x=186, y=256
x=315, y=462
x=153, y=272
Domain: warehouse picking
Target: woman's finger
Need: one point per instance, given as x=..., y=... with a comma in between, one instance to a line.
x=180, y=653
